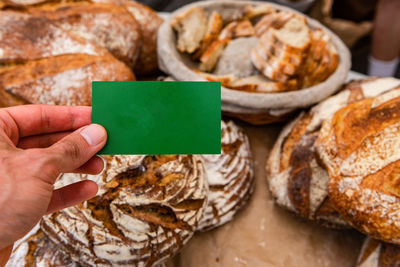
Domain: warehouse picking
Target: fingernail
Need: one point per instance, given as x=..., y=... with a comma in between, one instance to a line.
x=94, y=134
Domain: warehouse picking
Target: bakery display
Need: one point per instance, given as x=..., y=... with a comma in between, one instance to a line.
x=147, y=208
x=378, y=254
x=297, y=179
x=268, y=58
x=230, y=177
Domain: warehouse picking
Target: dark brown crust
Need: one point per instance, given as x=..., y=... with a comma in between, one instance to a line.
x=300, y=175
x=149, y=23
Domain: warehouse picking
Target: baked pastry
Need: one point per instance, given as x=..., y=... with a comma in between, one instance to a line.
x=296, y=178
x=375, y=253
x=230, y=177
x=147, y=208
x=149, y=22
x=191, y=28
x=35, y=249
x=359, y=148
x=110, y=26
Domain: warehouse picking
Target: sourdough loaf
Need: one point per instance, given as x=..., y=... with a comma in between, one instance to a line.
x=36, y=250
x=230, y=177
x=147, y=208
x=296, y=178
x=110, y=26
x=375, y=253
x=359, y=147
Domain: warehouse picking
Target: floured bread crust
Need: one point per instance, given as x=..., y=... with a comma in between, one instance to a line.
x=35, y=249
x=147, y=208
x=110, y=26
x=296, y=177
x=360, y=148
x=375, y=253
x=230, y=177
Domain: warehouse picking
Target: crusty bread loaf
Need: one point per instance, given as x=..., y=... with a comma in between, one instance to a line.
x=375, y=253
x=24, y=38
x=110, y=26
x=61, y=80
x=146, y=209
x=296, y=178
x=191, y=26
x=36, y=250
x=263, y=117
x=359, y=148
x=230, y=177
x=149, y=23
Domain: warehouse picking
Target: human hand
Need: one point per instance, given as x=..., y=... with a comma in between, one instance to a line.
x=37, y=144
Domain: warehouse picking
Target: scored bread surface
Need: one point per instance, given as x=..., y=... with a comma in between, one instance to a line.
x=230, y=177
x=363, y=165
x=147, y=208
x=295, y=175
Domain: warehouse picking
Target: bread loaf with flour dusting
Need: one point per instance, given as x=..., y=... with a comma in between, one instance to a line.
x=230, y=177
x=147, y=208
x=297, y=179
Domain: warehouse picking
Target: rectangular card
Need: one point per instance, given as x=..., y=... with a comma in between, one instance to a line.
x=158, y=117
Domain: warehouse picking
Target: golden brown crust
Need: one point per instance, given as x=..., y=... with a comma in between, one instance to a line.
x=149, y=23
x=111, y=26
x=375, y=253
x=62, y=80
x=359, y=147
x=260, y=118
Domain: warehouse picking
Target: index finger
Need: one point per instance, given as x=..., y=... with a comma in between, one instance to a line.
x=27, y=120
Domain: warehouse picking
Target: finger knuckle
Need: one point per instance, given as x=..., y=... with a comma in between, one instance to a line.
x=71, y=150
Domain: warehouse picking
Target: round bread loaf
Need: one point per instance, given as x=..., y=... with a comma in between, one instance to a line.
x=35, y=249
x=147, y=208
x=295, y=176
x=230, y=177
x=360, y=147
x=375, y=253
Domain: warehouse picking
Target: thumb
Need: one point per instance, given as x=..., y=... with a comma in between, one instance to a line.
x=76, y=149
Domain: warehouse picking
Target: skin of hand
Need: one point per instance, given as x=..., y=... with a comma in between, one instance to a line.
x=37, y=144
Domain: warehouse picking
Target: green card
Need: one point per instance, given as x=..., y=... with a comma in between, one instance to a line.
x=159, y=117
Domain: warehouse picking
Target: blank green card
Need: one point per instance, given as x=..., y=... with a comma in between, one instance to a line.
x=159, y=117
